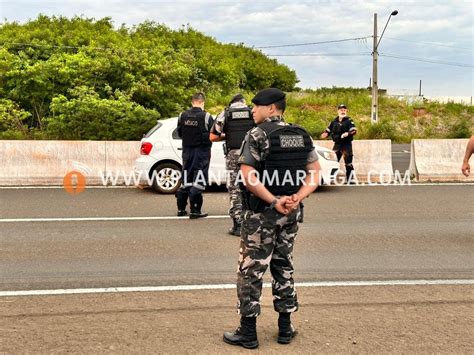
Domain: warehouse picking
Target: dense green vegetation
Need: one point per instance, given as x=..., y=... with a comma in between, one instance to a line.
x=84, y=79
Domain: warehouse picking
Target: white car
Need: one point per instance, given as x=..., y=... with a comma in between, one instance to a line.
x=159, y=164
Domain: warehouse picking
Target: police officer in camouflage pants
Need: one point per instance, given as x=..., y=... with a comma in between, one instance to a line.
x=272, y=149
x=231, y=125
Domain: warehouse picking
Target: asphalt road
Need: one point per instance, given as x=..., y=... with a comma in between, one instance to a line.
x=350, y=233
x=401, y=157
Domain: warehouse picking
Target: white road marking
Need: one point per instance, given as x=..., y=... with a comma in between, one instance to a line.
x=232, y=286
x=88, y=219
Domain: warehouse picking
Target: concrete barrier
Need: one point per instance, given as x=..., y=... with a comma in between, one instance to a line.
x=47, y=162
x=120, y=159
x=372, y=159
x=438, y=160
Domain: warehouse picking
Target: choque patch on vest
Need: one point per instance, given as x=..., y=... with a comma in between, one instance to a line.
x=291, y=141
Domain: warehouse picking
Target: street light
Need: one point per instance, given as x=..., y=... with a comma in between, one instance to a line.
x=375, y=53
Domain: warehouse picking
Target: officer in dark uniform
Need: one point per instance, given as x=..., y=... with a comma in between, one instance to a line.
x=342, y=130
x=279, y=168
x=193, y=128
x=232, y=125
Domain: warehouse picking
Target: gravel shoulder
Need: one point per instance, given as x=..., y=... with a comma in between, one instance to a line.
x=367, y=319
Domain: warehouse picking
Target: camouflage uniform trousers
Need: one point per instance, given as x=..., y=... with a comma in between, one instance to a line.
x=235, y=195
x=267, y=239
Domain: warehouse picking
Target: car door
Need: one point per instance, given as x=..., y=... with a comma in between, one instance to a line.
x=217, y=169
x=176, y=143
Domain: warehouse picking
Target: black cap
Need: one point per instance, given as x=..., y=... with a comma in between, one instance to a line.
x=341, y=106
x=237, y=98
x=268, y=96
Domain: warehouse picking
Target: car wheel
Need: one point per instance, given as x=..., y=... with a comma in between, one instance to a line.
x=166, y=178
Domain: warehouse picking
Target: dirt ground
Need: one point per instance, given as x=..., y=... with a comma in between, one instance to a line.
x=365, y=319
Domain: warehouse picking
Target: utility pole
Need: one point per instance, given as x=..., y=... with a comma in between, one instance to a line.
x=375, y=54
x=375, y=89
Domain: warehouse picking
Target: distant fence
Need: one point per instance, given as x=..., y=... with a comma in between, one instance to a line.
x=465, y=100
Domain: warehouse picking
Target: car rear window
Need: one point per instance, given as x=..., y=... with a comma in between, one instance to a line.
x=175, y=135
x=153, y=130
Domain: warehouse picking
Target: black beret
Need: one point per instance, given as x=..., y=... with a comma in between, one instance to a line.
x=268, y=96
x=237, y=98
x=341, y=106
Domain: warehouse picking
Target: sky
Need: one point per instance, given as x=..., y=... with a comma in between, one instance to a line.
x=431, y=40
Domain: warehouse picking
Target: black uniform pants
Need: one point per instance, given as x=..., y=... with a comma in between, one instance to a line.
x=194, y=177
x=345, y=151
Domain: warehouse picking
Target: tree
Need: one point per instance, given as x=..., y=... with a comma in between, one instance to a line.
x=52, y=67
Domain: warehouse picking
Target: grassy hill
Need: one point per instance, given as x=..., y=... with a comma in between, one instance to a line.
x=399, y=120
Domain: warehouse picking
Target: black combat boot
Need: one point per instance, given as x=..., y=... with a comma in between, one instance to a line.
x=245, y=335
x=181, y=201
x=286, y=330
x=301, y=212
x=350, y=175
x=236, y=228
x=196, y=204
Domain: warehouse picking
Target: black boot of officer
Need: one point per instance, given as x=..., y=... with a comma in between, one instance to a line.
x=196, y=200
x=236, y=228
x=350, y=179
x=301, y=220
x=286, y=330
x=245, y=335
x=182, y=201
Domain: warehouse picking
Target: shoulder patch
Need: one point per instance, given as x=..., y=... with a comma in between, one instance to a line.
x=291, y=141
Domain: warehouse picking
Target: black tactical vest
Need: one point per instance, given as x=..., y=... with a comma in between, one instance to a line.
x=284, y=168
x=338, y=128
x=193, y=128
x=238, y=121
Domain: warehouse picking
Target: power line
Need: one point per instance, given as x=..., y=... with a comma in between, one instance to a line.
x=429, y=43
x=318, y=54
x=111, y=50
x=314, y=43
x=53, y=46
x=4, y=44
x=427, y=60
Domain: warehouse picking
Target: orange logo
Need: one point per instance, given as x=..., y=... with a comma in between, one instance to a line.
x=74, y=182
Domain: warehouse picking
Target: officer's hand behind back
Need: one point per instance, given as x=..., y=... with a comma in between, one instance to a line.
x=292, y=202
x=280, y=206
